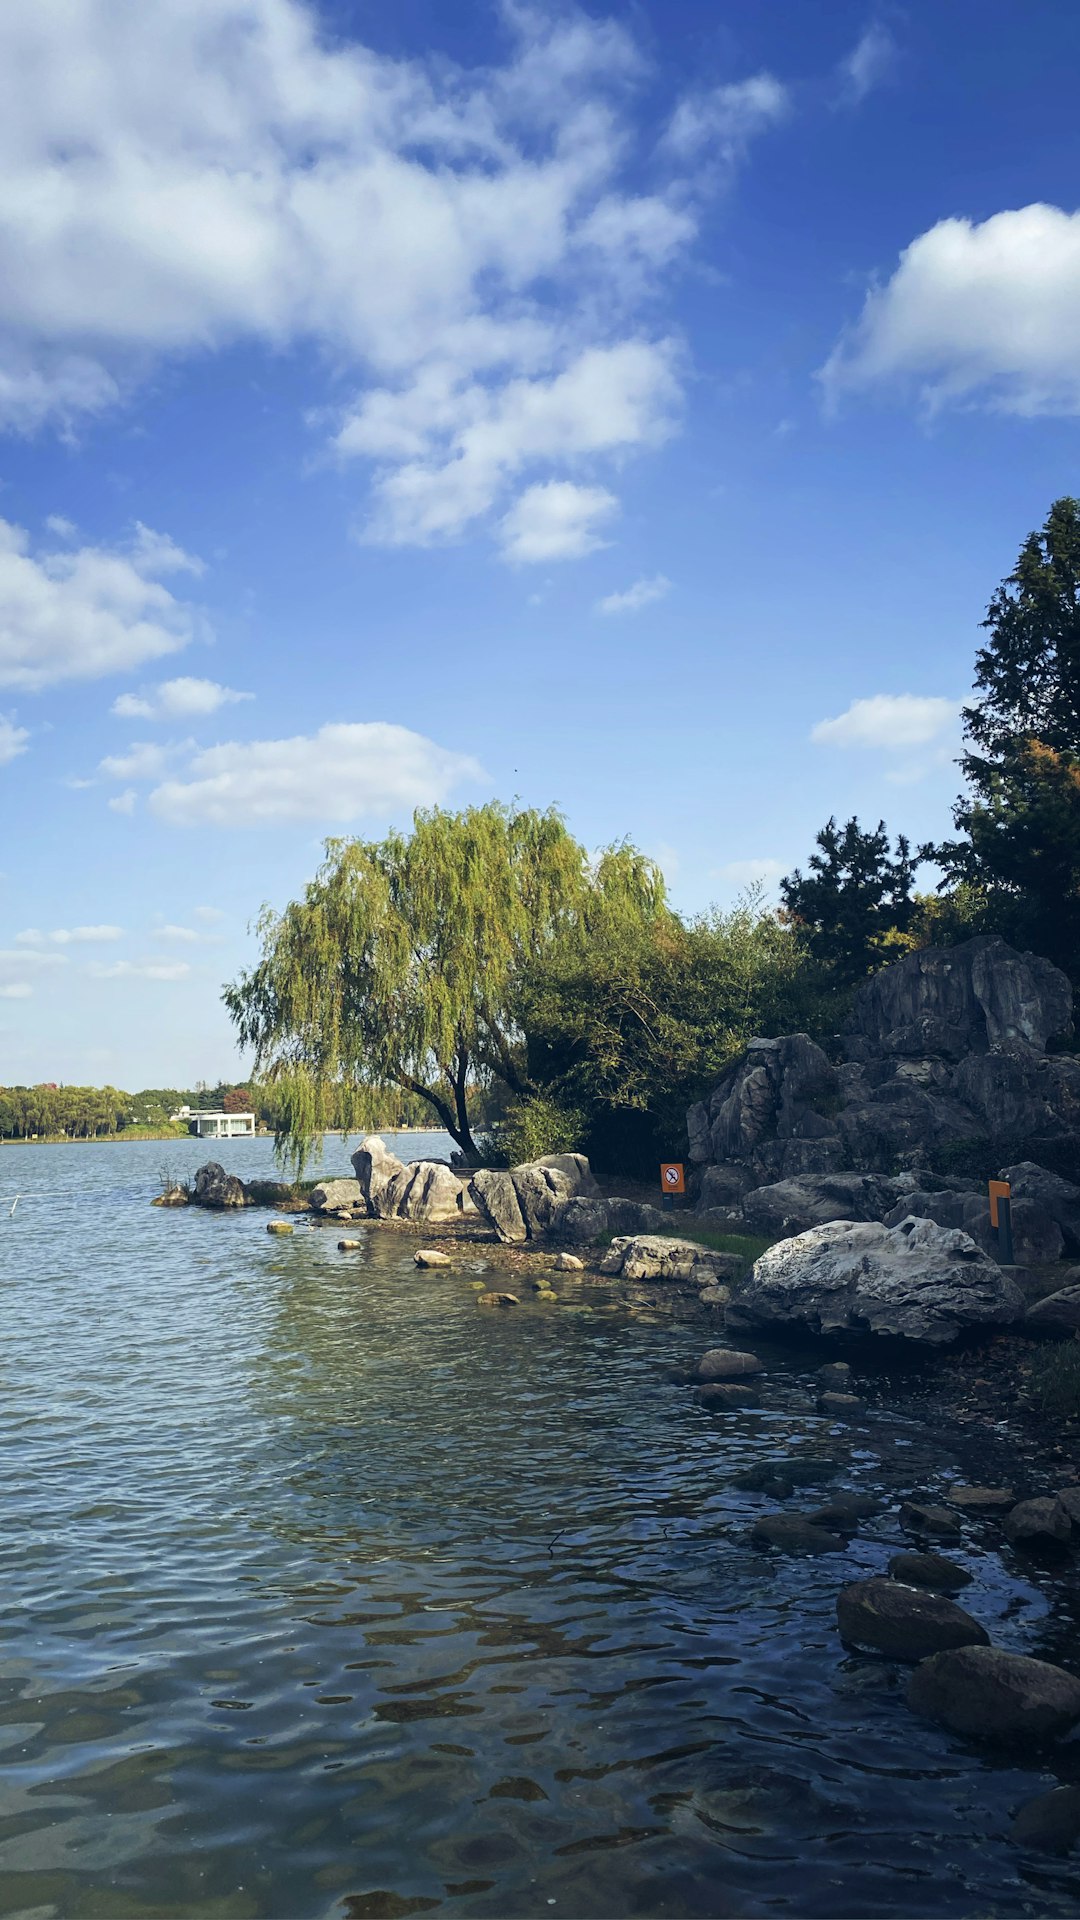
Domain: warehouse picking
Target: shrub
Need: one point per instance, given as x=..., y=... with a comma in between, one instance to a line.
x=532, y=1128
x=1054, y=1383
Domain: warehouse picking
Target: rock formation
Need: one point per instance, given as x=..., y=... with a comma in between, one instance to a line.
x=948, y=1045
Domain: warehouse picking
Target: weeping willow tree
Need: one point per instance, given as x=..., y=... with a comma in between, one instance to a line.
x=400, y=965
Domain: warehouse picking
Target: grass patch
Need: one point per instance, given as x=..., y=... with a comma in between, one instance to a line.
x=748, y=1246
x=1054, y=1381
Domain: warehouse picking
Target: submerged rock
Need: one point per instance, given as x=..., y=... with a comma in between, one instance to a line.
x=718, y=1394
x=1050, y=1823
x=931, y=1570
x=278, y=1226
x=995, y=1696
x=981, y=1499
x=431, y=1257
x=794, y=1533
x=919, y=1516
x=493, y=1299
x=843, y=1511
x=916, y=1280
x=725, y=1363
x=840, y=1406
x=902, y=1621
x=1040, y=1526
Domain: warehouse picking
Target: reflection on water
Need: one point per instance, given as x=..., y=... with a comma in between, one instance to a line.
x=328, y=1595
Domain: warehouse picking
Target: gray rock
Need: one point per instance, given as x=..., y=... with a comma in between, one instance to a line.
x=1037, y=1238
x=904, y=1622
x=634, y=1216
x=375, y=1166
x=1069, y=1502
x=840, y=1406
x=915, y=1280
x=794, y=1533
x=279, y=1226
x=349, y=1246
x=1005, y=1698
x=931, y=1570
x=834, y=1376
x=655, y=1257
x=722, y=1186
x=217, y=1189
x=920, y=1516
x=495, y=1198
x=432, y=1196
x=568, y=1263
x=725, y=1363
x=954, y=1000
x=494, y=1299
x=1057, y=1314
x=1059, y=1198
x=981, y=1499
x=583, y=1220
x=1050, y=1823
x=843, y=1511
x=431, y=1257
x=728, y=1393
x=1039, y=1526
x=330, y=1195
x=812, y=1200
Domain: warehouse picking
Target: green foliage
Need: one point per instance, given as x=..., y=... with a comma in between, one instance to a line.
x=748, y=1246
x=855, y=905
x=627, y=1020
x=399, y=966
x=1054, y=1381
x=533, y=1127
x=1020, y=817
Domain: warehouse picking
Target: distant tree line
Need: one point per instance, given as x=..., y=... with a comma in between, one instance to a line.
x=49, y=1112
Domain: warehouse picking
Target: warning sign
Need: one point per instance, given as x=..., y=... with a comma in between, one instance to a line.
x=672, y=1178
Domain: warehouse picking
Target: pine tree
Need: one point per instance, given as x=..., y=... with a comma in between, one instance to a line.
x=856, y=902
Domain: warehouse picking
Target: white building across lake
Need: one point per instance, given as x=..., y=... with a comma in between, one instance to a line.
x=218, y=1126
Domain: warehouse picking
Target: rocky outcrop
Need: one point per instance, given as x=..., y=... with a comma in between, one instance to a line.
x=948, y=1045
x=915, y=1280
x=531, y=1201
x=1060, y=1199
x=425, y=1191
x=812, y=1200
x=217, y=1189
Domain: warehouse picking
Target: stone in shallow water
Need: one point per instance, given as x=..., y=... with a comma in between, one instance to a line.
x=931, y=1570
x=278, y=1226
x=1050, y=1823
x=724, y=1363
x=519, y=1787
x=1040, y=1526
x=497, y=1300
x=980, y=1499
x=431, y=1257
x=349, y=1246
x=903, y=1621
x=844, y=1511
x=919, y=1516
x=840, y=1406
x=794, y=1533
x=995, y=1696
x=728, y=1393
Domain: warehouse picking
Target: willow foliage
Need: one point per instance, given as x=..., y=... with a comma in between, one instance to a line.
x=399, y=965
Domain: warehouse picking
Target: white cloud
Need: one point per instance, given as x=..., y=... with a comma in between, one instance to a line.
x=77, y=615
x=63, y=529
x=68, y=936
x=209, y=915
x=185, y=698
x=13, y=740
x=17, y=990
x=555, y=520
x=187, y=935
x=143, y=970
x=345, y=771
x=890, y=722
x=870, y=60
x=18, y=968
x=641, y=594
x=741, y=874
x=457, y=445
x=123, y=802
x=976, y=312
x=26, y=957
x=726, y=119
x=144, y=761
x=177, y=179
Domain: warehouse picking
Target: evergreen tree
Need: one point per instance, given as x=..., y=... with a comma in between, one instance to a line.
x=855, y=905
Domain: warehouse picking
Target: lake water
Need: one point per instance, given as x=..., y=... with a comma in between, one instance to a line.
x=325, y=1593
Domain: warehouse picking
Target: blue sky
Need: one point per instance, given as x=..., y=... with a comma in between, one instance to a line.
x=626, y=409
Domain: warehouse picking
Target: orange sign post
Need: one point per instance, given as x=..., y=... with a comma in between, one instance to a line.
x=672, y=1181
x=1001, y=1219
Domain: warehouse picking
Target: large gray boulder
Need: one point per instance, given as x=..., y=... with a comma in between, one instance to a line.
x=916, y=1280
x=375, y=1166
x=426, y=1191
x=217, y=1189
x=904, y=1622
x=1057, y=1197
x=330, y=1195
x=970, y=998
x=812, y=1200
x=1037, y=1238
x=531, y=1201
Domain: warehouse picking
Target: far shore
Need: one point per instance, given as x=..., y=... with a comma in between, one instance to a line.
x=132, y=1135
